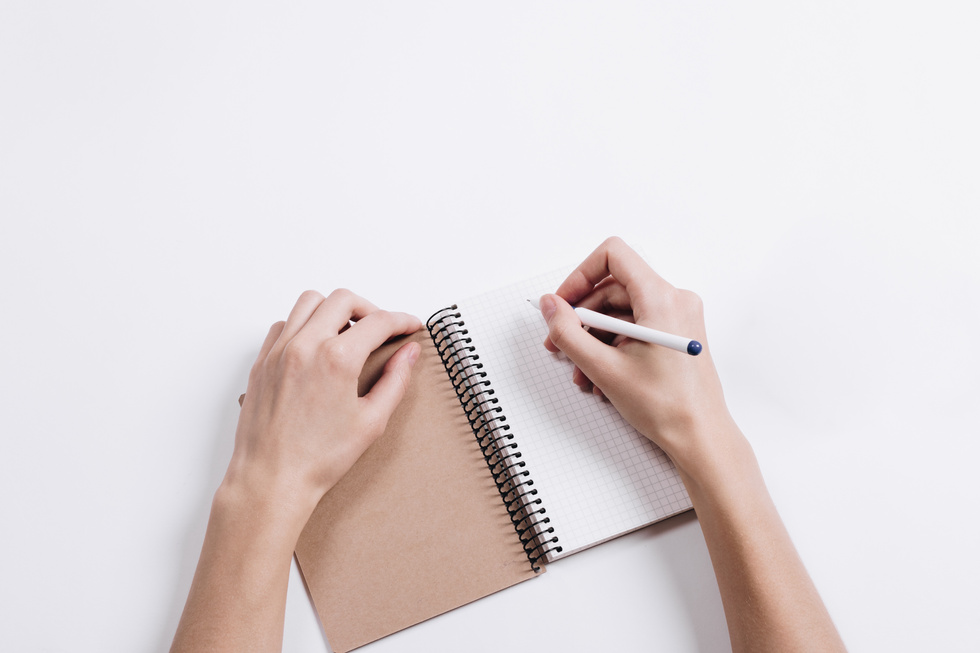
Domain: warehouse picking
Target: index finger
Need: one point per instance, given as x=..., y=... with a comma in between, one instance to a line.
x=314, y=312
x=337, y=311
x=374, y=330
x=613, y=257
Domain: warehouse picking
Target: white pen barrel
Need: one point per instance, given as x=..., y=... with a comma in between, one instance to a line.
x=612, y=325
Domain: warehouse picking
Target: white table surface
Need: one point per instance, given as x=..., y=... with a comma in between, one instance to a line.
x=173, y=175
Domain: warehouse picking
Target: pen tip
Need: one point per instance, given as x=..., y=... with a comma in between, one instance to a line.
x=694, y=348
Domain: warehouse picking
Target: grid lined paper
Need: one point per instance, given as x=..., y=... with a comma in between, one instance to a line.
x=596, y=475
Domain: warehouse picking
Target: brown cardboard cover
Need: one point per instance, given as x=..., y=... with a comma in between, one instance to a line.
x=416, y=527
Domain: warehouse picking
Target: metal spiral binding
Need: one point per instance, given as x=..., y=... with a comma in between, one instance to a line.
x=489, y=424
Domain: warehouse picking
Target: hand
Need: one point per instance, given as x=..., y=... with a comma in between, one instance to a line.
x=674, y=399
x=302, y=424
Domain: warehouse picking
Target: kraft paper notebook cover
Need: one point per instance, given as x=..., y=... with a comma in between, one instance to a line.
x=492, y=466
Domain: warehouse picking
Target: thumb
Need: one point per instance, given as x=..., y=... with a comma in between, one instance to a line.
x=389, y=390
x=592, y=356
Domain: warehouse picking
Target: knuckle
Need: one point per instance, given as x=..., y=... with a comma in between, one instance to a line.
x=295, y=356
x=376, y=316
x=384, y=318
x=310, y=296
x=696, y=300
x=691, y=302
x=333, y=349
x=337, y=356
x=614, y=242
x=671, y=298
x=342, y=295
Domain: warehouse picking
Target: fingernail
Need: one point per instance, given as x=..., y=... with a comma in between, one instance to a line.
x=548, y=307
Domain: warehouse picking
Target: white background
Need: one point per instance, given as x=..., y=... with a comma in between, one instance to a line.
x=173, y=175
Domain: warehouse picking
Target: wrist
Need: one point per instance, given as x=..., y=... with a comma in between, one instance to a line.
x=711, y=455
x=721, y=471
x=267, y=501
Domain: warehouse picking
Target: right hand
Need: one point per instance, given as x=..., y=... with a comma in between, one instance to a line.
x=674, y=399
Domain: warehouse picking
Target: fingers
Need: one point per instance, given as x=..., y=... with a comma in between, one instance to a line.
x=301, y=313
x=612, y=257
x=594, y=358
x=608, y=296
x=335, y=312
x=602, y=336
x=390, y=388
x=582, y=381
x=267, y=345
x=578, y=376
x=372, y=331
x=326, y=327
x=270, y=339
x=579, y=379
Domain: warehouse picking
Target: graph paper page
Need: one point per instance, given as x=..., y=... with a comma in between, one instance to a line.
x=596, y=475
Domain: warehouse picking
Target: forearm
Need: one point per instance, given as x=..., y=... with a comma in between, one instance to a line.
x=770, y=602
x=238, y=596
x=302, y=426
x=677, y=402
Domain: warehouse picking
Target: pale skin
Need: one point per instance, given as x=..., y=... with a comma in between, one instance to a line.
x=302, y=427
x=677, y=401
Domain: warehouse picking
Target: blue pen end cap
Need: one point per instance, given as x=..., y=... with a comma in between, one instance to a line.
x=694, y=348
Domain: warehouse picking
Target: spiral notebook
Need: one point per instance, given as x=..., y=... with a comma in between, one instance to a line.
x=493, y=465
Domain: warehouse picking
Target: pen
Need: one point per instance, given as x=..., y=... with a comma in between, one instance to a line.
x=635, y=331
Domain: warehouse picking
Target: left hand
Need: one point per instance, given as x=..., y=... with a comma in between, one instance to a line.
x=302, y=424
